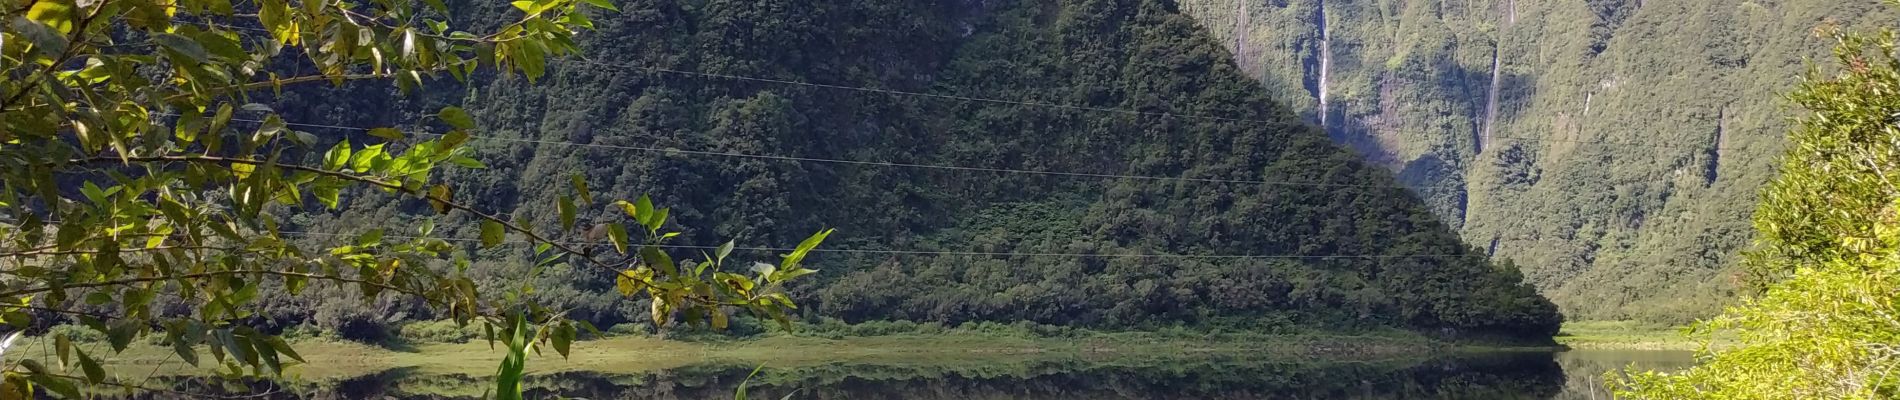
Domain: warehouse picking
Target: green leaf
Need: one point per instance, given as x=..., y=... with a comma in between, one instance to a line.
x=220, y=7
x=214, y=136
x=56, y=14
x=724, y=249
x=531, y=57
x=660, y=311
x=453, y=139
x=240, y=349
x=218, y=44
x=577, y=20
x=99, y=298
x=370, y=238
x=275, y=17
x=439, y=198
x=190, y=122
x=566, y=206
x=265, y=353
x=120, y=335
x=278, y=344
x=562, y=338
x=338, y=156
x=45, y=39
x=63, y=346
x=488, y=333
x=183, y=46
x=456, y=117
x=18, y=319
x=59, y=386
x=580, y=187
x=295, y=284
x=657, y=219
x=627, y=282
x=493, y=232
x=70, y=235
x=789, y=274
x=618, y=234
x=798, y=254
x=603, y=4
x=629, y=208
x=34, y=367
x=508, y=376
x=330, y=196
x=740, y=394
x=659, y=260
x=781, y=299
x=94, y=373
x=182, y=338
x=643, y=209
x=466, y=162
x=365, y=159
x=387, y=133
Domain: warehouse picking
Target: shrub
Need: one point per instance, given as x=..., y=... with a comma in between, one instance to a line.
x=439, y=331
x=76, y=333
x=352, y=321
x=631, y=328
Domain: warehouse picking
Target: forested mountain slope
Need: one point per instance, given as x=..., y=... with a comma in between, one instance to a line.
x=1112, y=252
x=1613, y=148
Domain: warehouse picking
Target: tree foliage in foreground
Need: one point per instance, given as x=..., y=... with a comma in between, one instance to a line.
x=1827, y=325
x=139, y=166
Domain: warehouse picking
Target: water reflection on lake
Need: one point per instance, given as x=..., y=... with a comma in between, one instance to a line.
x=1519, y=375
x=1584, y=369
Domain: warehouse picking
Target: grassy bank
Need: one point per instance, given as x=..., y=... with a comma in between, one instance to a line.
x=331, y=359
x=1628, y=335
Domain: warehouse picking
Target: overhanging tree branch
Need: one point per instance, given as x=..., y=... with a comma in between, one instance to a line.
x=50, y=252
x=245, y=87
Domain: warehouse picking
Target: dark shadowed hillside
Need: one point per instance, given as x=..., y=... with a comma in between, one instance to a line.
x=1252, y=220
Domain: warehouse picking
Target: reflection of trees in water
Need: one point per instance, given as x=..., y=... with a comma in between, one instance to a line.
x=1584, y=369
x=1498, y=376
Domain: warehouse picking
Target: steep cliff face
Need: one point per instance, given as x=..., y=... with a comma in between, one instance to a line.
x=1611, y=147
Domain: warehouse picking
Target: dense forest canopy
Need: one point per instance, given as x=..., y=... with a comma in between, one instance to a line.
x=1341, y=247
x=1613, y=148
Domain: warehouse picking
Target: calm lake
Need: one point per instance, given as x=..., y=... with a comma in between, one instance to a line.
x=1516, y=375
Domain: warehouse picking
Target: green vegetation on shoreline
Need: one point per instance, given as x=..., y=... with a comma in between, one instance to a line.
x=1628, y=335
x=331, y=359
